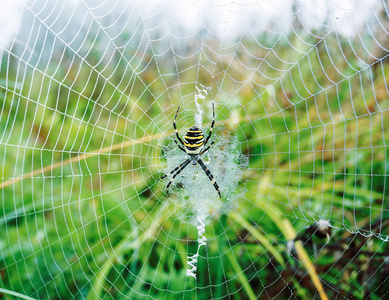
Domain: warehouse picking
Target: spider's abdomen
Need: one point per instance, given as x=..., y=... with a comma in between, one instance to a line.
x=194, y=140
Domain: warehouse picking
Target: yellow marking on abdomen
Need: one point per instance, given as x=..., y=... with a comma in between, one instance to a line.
x=194, y=137
x=193, y=145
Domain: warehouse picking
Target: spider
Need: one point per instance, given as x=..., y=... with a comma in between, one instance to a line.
x=194, y=146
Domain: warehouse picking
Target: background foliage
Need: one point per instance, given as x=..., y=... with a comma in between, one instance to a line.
x=82, y=215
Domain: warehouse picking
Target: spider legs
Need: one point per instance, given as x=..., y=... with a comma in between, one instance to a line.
x=210, y=176
x=194, y=155
x=182, y=149
x=177, y=171
x=182, y=146
x=168, y=174
x=175, y=128
x=207, y=148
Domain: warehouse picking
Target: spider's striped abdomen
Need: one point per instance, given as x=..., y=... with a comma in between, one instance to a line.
x=194, y=140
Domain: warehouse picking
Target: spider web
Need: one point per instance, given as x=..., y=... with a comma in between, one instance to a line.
x=89, y=91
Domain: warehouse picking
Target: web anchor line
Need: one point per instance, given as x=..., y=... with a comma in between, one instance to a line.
x=202, y=241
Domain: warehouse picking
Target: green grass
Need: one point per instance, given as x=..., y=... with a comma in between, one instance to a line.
x=100, y=226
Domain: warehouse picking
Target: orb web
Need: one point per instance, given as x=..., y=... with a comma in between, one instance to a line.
x=89, y=90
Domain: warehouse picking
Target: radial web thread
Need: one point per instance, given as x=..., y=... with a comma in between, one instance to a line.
x=89, y=90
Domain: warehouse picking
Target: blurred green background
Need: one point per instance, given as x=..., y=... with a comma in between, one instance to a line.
x=82, y=215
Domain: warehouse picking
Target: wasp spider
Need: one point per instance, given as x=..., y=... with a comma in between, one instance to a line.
x=195, y=146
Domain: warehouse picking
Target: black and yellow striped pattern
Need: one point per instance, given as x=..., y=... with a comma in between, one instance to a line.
x=210, y=176
x=193, y=145
x=194, y=138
